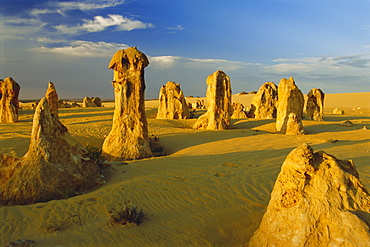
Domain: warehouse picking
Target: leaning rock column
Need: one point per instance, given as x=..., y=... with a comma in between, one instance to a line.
x=315, y=104
x=52, y=97
x=219, y=107
x=128, y=138
x=318, y=201
x=9, y=91
x=290, y=101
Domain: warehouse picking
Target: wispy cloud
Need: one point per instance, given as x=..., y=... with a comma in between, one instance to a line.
x=165, y=62
x=82, y=48
x=62, y=7
x=177, y=28
x=100, y=23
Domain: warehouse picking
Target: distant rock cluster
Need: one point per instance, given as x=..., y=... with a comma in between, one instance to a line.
x=91, y=102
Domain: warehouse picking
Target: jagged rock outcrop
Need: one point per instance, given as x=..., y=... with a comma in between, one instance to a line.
x=55, y=166
x=172, y=103
x=294, y=125
x=91, y=102
x=9, y=104
x=198, y=104
x=219, y=108
x=290, y=101
x=52, y=97
x=239, y=111
x=128, y=138
x=315, y=104
x=264, y=102
x=318, y=201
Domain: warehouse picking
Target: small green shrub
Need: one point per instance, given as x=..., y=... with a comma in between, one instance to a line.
x=95, y=154
x=126, y=213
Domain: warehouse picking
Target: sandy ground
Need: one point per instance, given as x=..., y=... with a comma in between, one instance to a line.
x=211, y=189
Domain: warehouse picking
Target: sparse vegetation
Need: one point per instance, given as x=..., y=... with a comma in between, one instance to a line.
x=95, y=154
x=126, y=213
x=57, y=226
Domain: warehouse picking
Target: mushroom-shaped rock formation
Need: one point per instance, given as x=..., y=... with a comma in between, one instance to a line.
x=219, y=107
x=264, y=102
x=55, y=166
x=318, y=201
x=52, y=97
x=172, y=103
x=128, y=138
x=9, y=105
x=315, y=104
x=290, y=100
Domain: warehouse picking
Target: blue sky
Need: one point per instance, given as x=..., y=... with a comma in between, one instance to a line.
x=321, y=43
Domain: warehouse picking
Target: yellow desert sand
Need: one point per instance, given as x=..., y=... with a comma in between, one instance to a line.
x=211, y=189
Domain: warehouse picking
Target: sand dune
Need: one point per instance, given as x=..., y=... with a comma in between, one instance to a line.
x=211, y=189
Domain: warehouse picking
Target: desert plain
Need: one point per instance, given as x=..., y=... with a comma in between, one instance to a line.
x=210, y=189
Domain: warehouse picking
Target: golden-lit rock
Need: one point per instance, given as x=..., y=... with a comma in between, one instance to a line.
x=315, y=104
x=238, y=111
x=172, y=103
x=318, y=201
x=264, y=102
x=55, y=166
x=9, y=104
x=294, y=125
x=219, y=107
x=290, y=101
x=128, y=138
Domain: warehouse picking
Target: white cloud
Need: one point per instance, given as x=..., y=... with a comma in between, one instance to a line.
x=85, y=49
x=100, y=23
x=49, y=41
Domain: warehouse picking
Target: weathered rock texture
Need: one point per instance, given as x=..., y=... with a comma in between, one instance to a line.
x=317, y=201
x=52, y=97
x=294, y=125
x=91, y=102
x=290, y=101
x=9, y=105
x=219, y=108
x=264, y=103
x=239, y=111
x=315, y=104
x=55, y=166
x=128, y=138
x=172, y=103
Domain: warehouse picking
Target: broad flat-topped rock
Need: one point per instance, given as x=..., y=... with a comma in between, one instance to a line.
x=128, y=138
x=219, y=107
x=318, y=201
x=55, y=166
x=264, y=102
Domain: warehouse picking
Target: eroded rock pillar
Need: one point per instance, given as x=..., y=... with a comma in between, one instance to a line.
x=315, y=104
x=172, y=103
x=219, y=107
x=290, y=101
